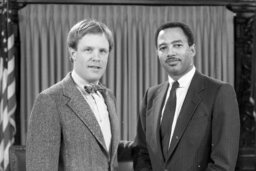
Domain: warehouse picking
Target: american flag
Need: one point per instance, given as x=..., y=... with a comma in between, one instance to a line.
x=7, y=85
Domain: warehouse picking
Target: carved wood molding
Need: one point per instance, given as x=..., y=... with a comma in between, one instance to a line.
x=245, y=44
x=143, y=2
x=245, y=10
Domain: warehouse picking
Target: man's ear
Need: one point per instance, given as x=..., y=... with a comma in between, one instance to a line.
x=193, y=50
x=156, y=51
x=72, y=53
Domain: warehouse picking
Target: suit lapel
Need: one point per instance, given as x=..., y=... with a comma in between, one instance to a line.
x=113, y=123
x=154, y=118
x=82, y=109
x=188, y=108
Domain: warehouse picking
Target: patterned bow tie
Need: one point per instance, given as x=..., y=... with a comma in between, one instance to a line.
x=93, y=88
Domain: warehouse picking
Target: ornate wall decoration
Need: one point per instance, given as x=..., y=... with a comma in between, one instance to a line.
x=244, y=48
x=245, y=45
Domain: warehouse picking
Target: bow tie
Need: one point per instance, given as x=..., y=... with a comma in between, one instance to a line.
x=93, y=88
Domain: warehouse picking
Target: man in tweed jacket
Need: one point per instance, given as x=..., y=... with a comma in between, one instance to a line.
x=70, y=127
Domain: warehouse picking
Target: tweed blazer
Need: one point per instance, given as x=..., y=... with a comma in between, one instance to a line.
x=64, y=134
x=206, y=136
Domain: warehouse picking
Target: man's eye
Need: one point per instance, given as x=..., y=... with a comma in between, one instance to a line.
x=177, y=45
x=88, y=50
x=103, y=51
x=162, y=48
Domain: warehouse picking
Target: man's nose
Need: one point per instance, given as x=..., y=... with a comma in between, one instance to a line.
x=96, y=55
x=171, y=50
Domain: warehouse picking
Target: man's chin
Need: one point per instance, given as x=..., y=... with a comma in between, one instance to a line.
x=173, y=69
x=94, y=80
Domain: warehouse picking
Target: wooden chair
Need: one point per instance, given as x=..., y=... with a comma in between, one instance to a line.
x=17, y=158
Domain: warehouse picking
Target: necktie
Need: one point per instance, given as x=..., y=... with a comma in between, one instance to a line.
x=167, y=119
x=93, y=88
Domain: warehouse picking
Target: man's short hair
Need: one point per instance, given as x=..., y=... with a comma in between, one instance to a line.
x=88, y=26
x=187, y=31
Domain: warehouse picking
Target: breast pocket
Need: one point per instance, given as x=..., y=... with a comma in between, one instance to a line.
x=199, y=125
x=200, y=115
x=202, y=112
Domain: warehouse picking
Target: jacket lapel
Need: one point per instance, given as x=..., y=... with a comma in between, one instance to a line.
x=114, y=123
x=189, y=106
x=154, y=118
x=82, y=109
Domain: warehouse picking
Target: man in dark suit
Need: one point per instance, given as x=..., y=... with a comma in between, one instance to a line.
x=74, y=125
x=191, y=122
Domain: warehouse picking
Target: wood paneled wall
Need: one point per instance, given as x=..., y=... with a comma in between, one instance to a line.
x=245, y=60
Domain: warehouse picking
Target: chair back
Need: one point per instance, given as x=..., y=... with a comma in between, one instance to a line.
x=17, y=158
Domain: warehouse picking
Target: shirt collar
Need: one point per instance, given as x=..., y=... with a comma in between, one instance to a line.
x=79, y=80
x=185, y=80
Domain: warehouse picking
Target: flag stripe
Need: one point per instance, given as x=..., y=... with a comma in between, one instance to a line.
x=11, y=63
x=10, y=42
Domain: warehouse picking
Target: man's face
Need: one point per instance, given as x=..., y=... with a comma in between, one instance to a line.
x=91, y=57
x=174, y=53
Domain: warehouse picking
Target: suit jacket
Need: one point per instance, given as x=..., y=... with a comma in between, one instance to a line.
x=206, y=136
x=64, y=134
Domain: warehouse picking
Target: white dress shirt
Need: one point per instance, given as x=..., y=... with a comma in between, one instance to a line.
x=181, y=93
x=98, y=106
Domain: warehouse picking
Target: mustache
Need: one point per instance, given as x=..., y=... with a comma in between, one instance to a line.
x=172, y=58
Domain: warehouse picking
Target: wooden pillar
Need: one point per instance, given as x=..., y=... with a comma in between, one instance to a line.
x=245, y=46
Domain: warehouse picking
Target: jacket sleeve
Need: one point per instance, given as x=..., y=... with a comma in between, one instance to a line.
x=141, y=159
x=225, y=130
x=43, y=136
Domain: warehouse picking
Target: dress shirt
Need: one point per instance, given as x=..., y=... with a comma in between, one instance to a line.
x=98, y=106
x=181, y=93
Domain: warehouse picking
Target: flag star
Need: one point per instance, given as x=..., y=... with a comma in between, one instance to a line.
x=8, y=20
x=2, y=33
x=5, y=49
x=4, y=40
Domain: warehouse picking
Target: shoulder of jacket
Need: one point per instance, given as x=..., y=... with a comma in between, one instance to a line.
x=157, y=87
